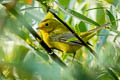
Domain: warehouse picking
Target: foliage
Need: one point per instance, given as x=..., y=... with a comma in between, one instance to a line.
x=22, y=57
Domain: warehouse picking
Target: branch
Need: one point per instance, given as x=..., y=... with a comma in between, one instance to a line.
x=37, y=37
x=90, y=49
x=74, y=33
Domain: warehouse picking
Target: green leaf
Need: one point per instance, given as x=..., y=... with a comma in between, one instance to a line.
x=78, y=15
x=96, y=8
x=64, y=3
x=112, y=20
x=84, y=9
x=118, y=35
x=118, y=7
x=13, y=25
x=82, y=17
x=116, y=2
x=100, y=15
x=2, y=53
x=82, y=27
x=33, y=14
x=43, y=55
x=70, y=20
x=18, y=53
x=3, y=17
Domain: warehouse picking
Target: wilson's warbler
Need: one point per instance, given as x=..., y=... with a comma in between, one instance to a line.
x=57, y=36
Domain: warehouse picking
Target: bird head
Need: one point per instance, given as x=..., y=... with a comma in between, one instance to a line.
x=48, y=25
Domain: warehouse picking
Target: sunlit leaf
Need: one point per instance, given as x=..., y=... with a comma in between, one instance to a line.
x=64, y=3
x=82, y=27
x=100, y=15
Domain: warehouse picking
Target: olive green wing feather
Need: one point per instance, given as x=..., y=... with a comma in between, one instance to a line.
x=69, y=38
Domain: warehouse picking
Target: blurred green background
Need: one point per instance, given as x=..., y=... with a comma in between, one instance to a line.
x=23, y=58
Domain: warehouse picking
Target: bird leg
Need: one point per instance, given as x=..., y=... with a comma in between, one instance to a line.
x=73, y=56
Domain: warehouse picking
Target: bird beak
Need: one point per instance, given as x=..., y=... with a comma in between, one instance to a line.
x=38, y=28
x=41, y=26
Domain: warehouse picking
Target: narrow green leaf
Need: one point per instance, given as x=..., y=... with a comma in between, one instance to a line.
x=112, y=20
x=82, y=17
x=96, y=8
x=78, y=15
x=100, y=15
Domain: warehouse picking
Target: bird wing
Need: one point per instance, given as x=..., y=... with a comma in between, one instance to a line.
x=66, y=37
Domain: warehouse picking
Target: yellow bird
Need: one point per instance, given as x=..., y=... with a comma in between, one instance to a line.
x=57, y=36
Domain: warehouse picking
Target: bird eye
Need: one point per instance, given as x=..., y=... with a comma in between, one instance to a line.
x=46, y=24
